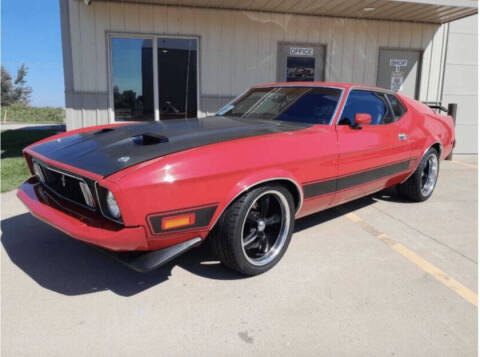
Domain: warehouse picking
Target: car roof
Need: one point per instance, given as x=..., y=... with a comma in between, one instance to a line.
x=320, y=84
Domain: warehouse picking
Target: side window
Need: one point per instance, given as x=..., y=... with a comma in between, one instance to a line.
x=397, y=106
x=373, y=103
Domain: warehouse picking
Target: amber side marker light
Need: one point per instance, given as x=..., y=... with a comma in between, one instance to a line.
x=178, y=221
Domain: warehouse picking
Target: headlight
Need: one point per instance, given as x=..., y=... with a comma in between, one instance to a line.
x=38, y=172
x=113, y=206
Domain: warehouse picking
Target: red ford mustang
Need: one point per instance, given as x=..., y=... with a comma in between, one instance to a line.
x=277, y=152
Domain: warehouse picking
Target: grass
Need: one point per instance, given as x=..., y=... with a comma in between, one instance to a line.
x=19, y=113
x=14, y=169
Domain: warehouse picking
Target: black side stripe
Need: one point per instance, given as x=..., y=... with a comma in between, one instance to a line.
x=323, y=187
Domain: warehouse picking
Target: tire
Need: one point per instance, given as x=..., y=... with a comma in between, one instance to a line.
x=419, y=187
x=254, y=232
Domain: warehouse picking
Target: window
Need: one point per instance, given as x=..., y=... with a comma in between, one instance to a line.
x=137, y=95
x=177, y=78
x=397, y=106
x=132, y=77
x=300, y=69
x=373, y=103
x=293, y=104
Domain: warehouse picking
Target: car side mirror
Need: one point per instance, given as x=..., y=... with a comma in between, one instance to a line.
x=362, y=119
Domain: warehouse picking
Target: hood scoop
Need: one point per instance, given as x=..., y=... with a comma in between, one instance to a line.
x=149, y=139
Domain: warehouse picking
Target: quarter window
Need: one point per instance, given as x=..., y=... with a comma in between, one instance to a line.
x=397, y=106
x=373, y=103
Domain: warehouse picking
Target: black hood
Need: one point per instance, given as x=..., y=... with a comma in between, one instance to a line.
x=110, y=150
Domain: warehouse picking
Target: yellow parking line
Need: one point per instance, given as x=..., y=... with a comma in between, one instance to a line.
x=427, y=267
x=465, y=164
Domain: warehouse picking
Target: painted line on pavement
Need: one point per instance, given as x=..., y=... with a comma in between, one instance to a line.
x=427, y=267
x=465, y=164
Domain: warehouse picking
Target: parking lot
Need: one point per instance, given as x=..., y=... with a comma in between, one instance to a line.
x=380, y=276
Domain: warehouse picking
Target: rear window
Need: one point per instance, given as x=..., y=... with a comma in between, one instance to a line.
x=397, y=106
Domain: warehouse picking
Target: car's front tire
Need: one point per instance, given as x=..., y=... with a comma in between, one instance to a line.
x=254, y=232
x=419, y=187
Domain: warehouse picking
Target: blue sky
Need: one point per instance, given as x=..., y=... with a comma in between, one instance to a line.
x=31, y=35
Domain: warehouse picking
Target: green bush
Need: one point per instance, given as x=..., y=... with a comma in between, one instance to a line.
x=14, y=169
x=20, y=113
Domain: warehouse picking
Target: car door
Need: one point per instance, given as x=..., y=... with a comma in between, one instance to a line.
x=371, y=157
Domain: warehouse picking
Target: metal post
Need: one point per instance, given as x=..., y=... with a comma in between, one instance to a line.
x=452, y=111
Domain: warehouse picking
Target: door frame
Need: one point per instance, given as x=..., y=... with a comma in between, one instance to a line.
x=373, y=89
x=154, y=37
x=301, y=44
x=420, y=65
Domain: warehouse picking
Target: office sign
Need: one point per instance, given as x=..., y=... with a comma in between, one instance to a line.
x=301, y=51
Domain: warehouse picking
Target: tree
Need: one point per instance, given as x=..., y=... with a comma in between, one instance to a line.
x=16, y=91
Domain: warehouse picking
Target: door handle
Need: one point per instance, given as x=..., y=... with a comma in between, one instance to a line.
x=402, y=136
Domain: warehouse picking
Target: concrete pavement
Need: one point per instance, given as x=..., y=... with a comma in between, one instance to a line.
x=339, y=290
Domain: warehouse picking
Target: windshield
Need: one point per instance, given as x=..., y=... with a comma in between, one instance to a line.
x=315, y=105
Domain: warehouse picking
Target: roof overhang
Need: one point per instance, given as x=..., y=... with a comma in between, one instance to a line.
x=426, y=11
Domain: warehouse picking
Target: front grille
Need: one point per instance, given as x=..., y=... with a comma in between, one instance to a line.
x=66, y=185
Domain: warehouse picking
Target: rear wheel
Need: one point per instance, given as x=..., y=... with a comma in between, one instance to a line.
x=254, y=232
x=419, y=187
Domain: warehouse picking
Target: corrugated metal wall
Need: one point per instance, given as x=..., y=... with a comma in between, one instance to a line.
x=460, y=86
x=237, y=49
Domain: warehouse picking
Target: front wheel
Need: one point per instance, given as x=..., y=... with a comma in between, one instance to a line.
x=255, y=231
x=419, y=187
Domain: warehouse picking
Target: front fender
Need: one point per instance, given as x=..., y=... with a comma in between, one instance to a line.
x=252, y=180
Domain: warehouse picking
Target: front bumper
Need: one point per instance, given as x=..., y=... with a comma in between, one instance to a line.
x=80, y=224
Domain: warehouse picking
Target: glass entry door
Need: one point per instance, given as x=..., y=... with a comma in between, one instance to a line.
x=177, y=78
x=132, y=79
x=153, y=78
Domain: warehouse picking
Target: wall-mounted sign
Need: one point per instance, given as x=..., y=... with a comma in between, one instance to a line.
x=396, y=82
x=398, y=77
x=301, y=51
x=397, y=63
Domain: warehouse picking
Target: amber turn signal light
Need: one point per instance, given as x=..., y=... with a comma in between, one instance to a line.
x=178, y=221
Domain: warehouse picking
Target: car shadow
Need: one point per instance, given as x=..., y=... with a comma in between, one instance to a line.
x=70, y=267
x=331, y=213
x=391, y=195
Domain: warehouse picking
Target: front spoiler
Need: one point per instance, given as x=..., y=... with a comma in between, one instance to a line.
x=145, y=262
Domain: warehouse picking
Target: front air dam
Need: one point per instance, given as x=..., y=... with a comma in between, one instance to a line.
x=147, y=261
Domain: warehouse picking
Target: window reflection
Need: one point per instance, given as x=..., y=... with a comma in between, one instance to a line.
x=177, y=78
x=293, y=104
x=300, y=69
x=132, y=76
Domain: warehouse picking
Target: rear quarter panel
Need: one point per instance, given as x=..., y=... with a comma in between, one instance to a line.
x=428, y=128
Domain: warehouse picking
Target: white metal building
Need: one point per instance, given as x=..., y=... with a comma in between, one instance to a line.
x=162, y=59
